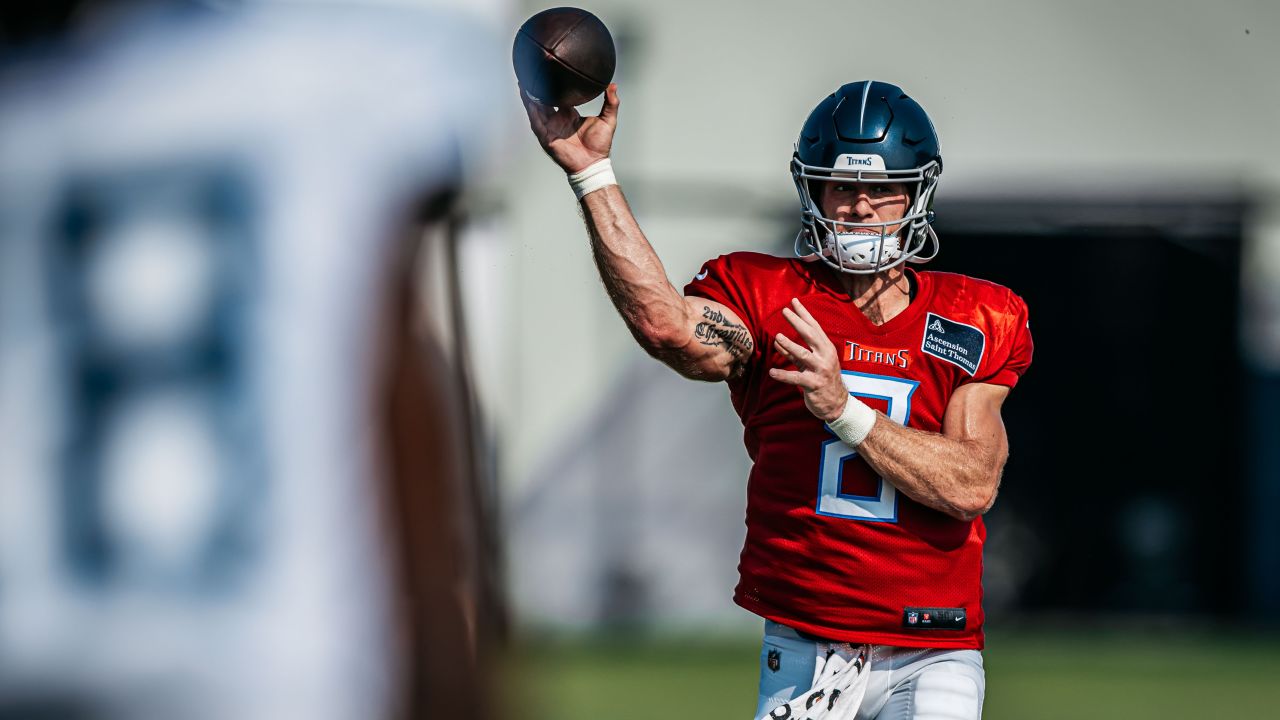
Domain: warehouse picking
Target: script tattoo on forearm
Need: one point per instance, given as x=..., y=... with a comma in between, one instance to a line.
x=716, y=330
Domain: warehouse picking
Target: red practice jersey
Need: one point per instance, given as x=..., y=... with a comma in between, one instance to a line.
x=832, y=549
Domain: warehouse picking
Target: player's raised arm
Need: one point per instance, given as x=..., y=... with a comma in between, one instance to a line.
x=699, y=338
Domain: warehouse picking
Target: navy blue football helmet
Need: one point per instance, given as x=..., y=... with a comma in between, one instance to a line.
x=867, y=132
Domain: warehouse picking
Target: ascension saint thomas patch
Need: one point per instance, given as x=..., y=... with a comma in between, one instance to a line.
x=959, y=344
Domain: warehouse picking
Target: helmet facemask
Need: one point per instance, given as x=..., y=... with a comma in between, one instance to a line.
x=860, y=247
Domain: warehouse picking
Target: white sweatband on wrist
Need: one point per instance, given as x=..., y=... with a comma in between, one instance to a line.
x=855, y=423
x=593, y=177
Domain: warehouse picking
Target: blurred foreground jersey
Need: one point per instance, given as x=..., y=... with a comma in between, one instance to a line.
x=831, y=548
x=199, y=218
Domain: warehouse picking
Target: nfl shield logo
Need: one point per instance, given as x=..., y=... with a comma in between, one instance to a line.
x=913, y=618
x=775, y=660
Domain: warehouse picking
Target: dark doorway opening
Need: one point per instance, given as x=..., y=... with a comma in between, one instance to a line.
x=1125, y=488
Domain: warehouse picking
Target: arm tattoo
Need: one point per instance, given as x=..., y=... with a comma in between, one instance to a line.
x=715, y=330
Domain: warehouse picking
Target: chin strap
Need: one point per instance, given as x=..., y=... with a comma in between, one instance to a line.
x=878, y=251
x=806, y=249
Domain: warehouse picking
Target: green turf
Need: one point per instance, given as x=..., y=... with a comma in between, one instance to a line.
x=1120, y=675
x=1031, y=676
x=618, y=678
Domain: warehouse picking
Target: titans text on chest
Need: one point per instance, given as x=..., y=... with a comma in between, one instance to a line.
x=857, y=352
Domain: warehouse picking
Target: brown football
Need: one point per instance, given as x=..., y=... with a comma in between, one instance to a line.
x=564, y=56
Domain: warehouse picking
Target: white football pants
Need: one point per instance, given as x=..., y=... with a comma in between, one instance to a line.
x=905, y=683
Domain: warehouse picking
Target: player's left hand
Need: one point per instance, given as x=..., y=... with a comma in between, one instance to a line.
x=818, y=366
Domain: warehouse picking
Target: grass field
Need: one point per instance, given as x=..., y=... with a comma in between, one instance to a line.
x=1030, y=675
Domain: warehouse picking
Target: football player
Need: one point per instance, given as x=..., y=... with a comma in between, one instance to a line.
x=870, y=394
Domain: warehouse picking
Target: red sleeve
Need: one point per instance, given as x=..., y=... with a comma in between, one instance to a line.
x=724, y=280
x=1013, y=357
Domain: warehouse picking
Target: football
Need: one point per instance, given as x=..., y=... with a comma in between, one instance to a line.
x=564, y=57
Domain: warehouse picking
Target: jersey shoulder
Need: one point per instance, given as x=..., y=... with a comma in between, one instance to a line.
x=750, y=278
x=998, y=334
x=754, y=285
x=975, y=298
x=746, y=261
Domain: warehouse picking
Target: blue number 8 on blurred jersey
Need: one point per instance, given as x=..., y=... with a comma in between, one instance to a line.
x=202, y=317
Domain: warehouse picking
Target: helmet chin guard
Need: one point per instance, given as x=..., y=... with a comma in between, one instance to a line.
x=863, y=251
x=867, y=133
x=864, y=254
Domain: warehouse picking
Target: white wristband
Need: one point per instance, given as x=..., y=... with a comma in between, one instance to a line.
x=593, y=177
x=855, y=423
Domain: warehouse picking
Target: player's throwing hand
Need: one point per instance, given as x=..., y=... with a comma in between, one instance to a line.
x=572, y=141
x=819, y=364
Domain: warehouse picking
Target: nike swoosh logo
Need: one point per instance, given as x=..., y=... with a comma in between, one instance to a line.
x=700, y=275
